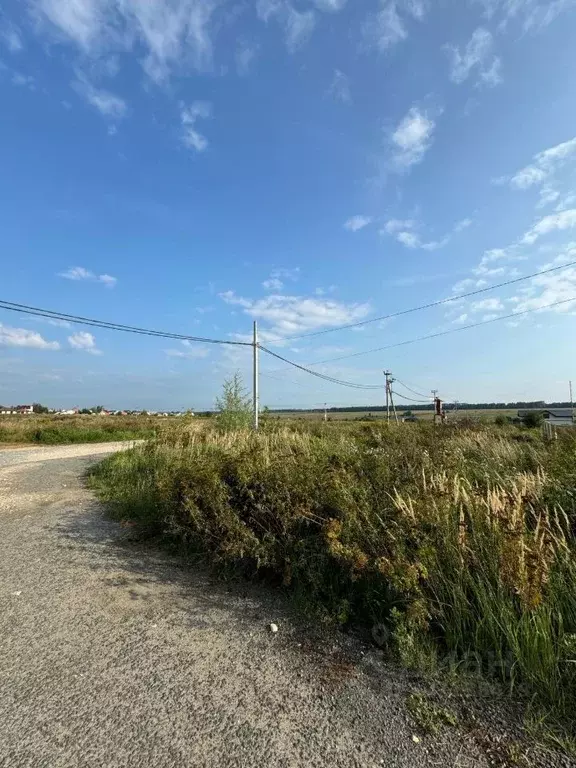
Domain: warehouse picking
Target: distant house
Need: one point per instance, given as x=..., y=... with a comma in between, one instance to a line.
x=557, y=417
x=17, y=409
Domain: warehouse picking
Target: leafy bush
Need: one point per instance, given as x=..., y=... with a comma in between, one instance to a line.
x=460, y=540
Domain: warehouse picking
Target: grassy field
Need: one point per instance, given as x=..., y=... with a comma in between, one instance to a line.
x=450, y=543
x=483, y=414
x=53, y=430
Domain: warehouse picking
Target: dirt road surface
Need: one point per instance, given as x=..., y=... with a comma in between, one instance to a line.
x=113, y=654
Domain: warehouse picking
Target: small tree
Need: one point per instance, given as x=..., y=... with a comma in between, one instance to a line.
x=39, y=408
x=233, y=406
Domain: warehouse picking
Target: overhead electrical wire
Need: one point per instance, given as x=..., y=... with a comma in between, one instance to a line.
x=331, y=379
x=79, y=320
x=432, y=304
x=411, y=399
x=445, y=333
x=420, y=394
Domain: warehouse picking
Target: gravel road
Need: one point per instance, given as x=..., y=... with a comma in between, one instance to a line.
x=113, y=654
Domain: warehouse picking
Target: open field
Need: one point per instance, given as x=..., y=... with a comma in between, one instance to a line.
x=55, y=430
x=452, y=545
x=484, y=414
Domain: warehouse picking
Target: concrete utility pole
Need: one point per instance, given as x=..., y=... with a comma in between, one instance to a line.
x=434, y=395
x=255, y=395
x=571, y=401
x=387, y=374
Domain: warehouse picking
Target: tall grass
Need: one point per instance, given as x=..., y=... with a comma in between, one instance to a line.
x=54, y=430
x=461, y=541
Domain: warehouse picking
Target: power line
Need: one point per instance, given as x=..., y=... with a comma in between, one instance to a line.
x=431, y=304
x=331, y=379
x=445, y=333
x=411, y=399
x=420, y=394
x=79, y=320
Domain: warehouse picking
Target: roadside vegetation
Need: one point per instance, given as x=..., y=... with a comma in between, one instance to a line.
x=451, y=542
x=57, y=430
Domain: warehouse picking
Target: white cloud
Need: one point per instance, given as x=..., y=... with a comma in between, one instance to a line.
x=487, y=305
x=23, y=80
x=388, y=26
x=548, y=195
x=297, y=25
x=405, y=232
x=245, y=56
x=397, y=225
x=477, y=55
x=85, y=342
x=11, y=37
x=534, y=14
x=468, y=284
x=286, y=273
x=355, y=223
x=80, y=273
x=330, y=5
x=461, y=319
x=290, y=315
x=21, y=337
x=174, y=35
x=192, y=351
x=273, y=284
x=412, y=138
x=191, y=138
x=548, y=289
x=555, y=222
x=340, y=87
x=107, y=103
x=409, y=239
x=544, y=165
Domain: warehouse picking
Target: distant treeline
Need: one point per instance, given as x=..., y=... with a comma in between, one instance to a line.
x=520, y=405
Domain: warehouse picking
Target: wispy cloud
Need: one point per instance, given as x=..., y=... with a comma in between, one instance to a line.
x=543, y=166
x=533, y=14
x=246, y=54
x=330, y=5
x=189, y=116
x=549, y=289
x=340, y=87
x=175, y=35
x=85, y=342
x=405, y=231
x=21, y=337
x=273, y=284
x=191, y=351
x=477, y=55
x=555, y=222
x=107, y=103
x=389, y=26
x=290, y=315
x=356, y=223
x=297, y=25
x=11, y=36
x=412, y=138
x=80, y=273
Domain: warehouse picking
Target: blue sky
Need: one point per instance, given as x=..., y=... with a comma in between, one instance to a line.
x=193, y=165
